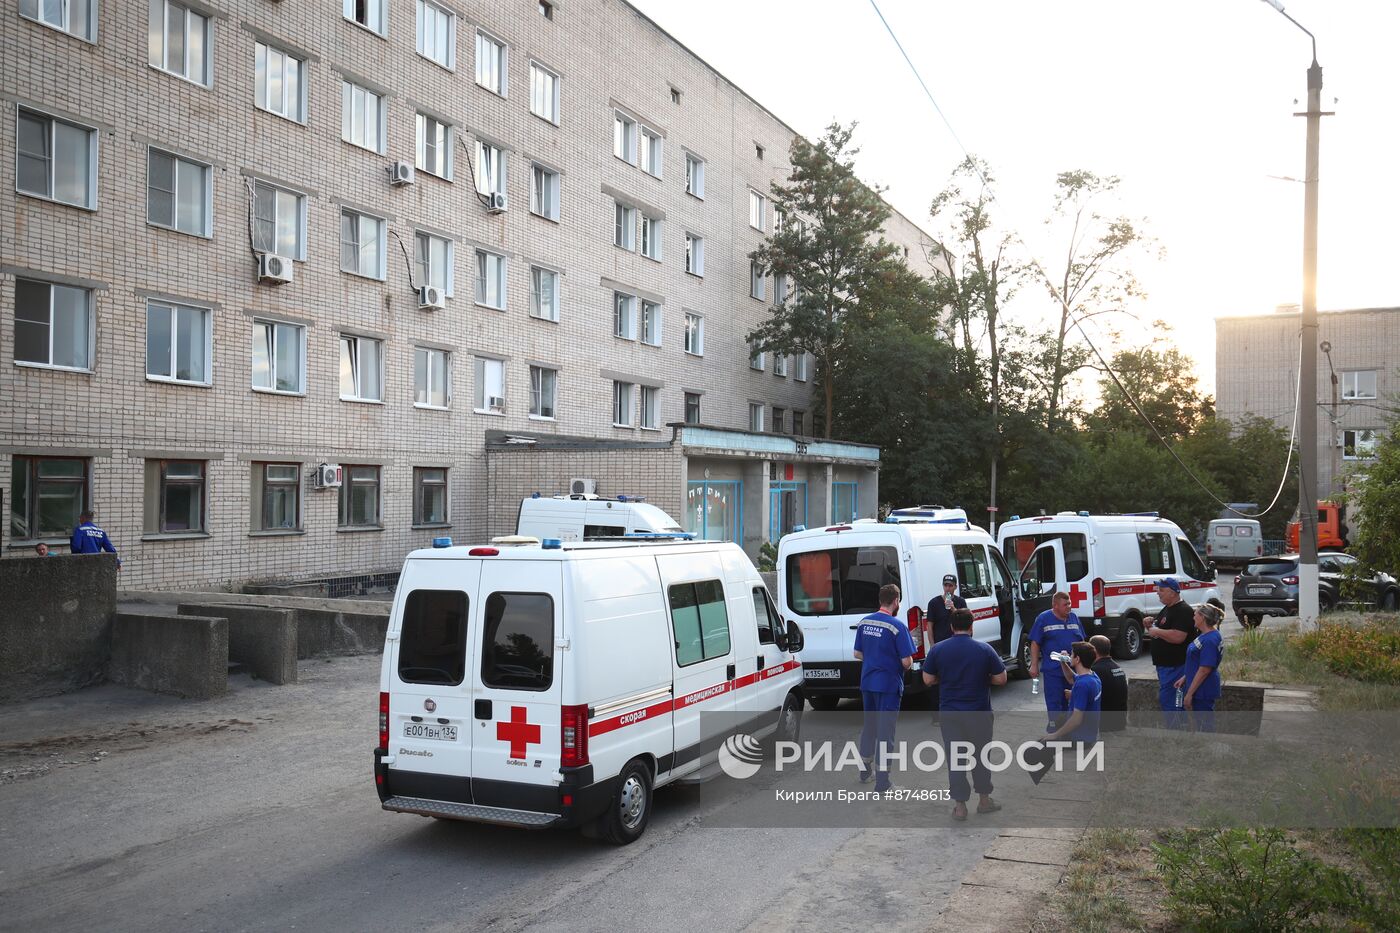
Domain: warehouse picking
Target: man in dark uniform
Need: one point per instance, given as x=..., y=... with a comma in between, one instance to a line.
x=1114, y=705
x=966, y=670
x=89, y=539
x=1171, y=632
x=940, y=614
x=885, y=651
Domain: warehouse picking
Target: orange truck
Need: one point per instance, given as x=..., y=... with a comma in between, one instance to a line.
x=1331, y=528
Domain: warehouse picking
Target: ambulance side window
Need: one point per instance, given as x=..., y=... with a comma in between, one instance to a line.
x=433, y=640
x=768, y=622
x=603, y=531
x=517, y=641
x=1156, y=552
x=700, y=621
x=973, y=579
x=1191, y=563
x=1001, y=577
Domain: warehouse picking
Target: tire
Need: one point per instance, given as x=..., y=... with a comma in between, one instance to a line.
x=1252, y=619
x=626, y=818
x=825, y=702
x=1023, y=658
x=1325, y=602
x=1129, y=644
x=1390, y=601
x=789, y=721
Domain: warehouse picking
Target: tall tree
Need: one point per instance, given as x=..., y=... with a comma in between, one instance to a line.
x=1376, y=504
x=1165, y=386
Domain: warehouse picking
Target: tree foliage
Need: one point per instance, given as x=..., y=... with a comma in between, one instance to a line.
x=1375, y=498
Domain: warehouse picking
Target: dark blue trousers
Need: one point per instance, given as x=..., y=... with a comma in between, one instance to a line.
x=881, y=710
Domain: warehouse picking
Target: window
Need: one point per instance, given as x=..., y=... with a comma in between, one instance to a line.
x=544, y=293
x=361, y=244
x=766, y=615
x=433, y=642
x=777, y=221
x=362, y=117
x=799, y=419
x=622, y=404
x=429, y=496
x=1244, y=531
x=1191, y=563
x=56, y=159
x=1359, y=384
x=544, y=93
x=779, y=419
x=279, y=221
x=624, y=315
x=432, y=378
x=546, y=10
x=714, y=510
x=178, y=343
x=434, y=147
x=651, y=323
x=181, y=41
x=650, y=408
x=361, y=369
x=756, y=416
x=359, y=498
x=650, y=156
x=624, y=226
x=799, y=366
x=53, y=325
x=675, y=96
x=490, y=64
x=1359, y=444
x=843, y=503
x=78, y=17
x=543, y=385
x=758, y=206
x=974, y=579
x=178, y=193
x=278, y=495
x=490, y=280
x=517, y=641
x=840, y=581
x=780, y=290
x=758, y=282
x=625, y=138
x=432, y=261
x=780, y=364
x=694, y=334
x=437, y=34
x=368, y=13
x=544, y=192
x=175, y=496
x=651, y=237
x=694, y=254
x=692, y=408
x=699, y=620
x=47, y=494
x=694, y=176
x=279, y=357
x=280, y=87
x=758, y=151
x=490, y=169
x=490, y=386
x=758, y=360
x=1156, y=552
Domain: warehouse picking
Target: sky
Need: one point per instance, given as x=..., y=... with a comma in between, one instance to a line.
x=1189, y=102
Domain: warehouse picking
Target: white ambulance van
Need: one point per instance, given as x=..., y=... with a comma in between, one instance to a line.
x=1109, y=566
x=559, y=684
x=588, y=517
x=830, y=578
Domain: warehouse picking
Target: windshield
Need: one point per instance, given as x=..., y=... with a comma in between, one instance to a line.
x=650, y=518
x=1269, y=568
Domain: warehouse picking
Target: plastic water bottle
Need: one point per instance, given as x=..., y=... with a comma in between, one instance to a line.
x=1180, y=698
x=1035, y=686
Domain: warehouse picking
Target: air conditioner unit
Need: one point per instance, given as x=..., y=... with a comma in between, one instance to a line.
x=274, y=269
x=495, y=403
x=401, y=173
x=327, y=476
x=429, y=297
x=497, y=204
x=580, y=486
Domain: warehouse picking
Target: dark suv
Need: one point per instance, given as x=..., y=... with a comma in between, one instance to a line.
x=1268, y=586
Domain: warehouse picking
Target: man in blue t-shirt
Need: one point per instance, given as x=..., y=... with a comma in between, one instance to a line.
x=965, y=670
x=1055, y=629
x=885, y=651
x=1085, y=698
x=87, y=538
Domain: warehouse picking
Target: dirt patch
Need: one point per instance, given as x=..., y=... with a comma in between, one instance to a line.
x=1111, y=884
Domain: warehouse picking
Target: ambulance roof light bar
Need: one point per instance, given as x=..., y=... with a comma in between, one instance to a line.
x=659, y=535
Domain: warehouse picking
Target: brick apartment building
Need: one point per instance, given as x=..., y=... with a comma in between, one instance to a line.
x=514, y=238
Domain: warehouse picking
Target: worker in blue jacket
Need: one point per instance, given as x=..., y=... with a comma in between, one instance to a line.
x=89, y=539
x=885, y=651
x=1055, y=629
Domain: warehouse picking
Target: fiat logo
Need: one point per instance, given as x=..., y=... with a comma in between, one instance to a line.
x=429, y=705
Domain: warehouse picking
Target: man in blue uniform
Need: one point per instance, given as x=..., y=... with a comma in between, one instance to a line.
x=89, y=539
x=1085, y=698
x=1055, y=629
x=885, y=651
x=940, y=614
x=965, y=670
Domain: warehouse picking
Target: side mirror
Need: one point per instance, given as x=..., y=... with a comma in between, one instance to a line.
x=794, y=638
x=780, y=637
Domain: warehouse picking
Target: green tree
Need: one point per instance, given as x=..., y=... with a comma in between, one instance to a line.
x=1166, y=388
x=1246, y=459
x=1374, y=496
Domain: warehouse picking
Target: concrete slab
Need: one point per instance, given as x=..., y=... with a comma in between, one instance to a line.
x=979, y=909
x=1034, y=851
x=1019, y=878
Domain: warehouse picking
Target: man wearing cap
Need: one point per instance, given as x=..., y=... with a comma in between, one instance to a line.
x=940, y=615
x=1170, y=633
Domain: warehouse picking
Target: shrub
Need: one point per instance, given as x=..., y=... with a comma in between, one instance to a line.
x=1369, y=651
x=768, y=557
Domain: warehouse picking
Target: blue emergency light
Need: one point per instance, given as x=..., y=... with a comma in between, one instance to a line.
x=659, y=535
x=1015, y=518
x=1144, y=514
x=1083, y=513
x=551, y=544
x=442, y=542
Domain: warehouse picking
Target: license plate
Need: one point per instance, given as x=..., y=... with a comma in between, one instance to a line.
x=1260, y=590
x=428, y=730
x=821, y=673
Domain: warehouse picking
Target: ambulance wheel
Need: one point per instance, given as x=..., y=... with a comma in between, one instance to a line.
x=1023, y=660
x=626, y=820
x=825, y=702
x=789, y=720
x=1129, y=644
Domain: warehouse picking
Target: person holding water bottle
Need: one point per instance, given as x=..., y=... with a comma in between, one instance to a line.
x=1199, y=686
x=1055, y=630
x=1170, y=632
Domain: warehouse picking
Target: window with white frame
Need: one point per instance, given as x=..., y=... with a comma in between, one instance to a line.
x=490, y=280
x=277, y=496
x=432, y=378
x=651, y=237
x=181, y=41
x=490, y=63
x=544, y=293
x=624, y=315
x=437, y=34
x=434, y=147
x=368, y=13
x=694, y=334
x=692, y=408
x=280, y=85
x=544, y=383
x=76, y=17
x=175, y=496
x=361, y=244
x=1359, y=444
x=490, y=169
x=544, y=92
x=56, y=159
x=359, y=497
x=651, y=323
x=544, y=192
x=694, y=254
x=651, y=408
x=178, y=194
x=361, y=369
x=756, y=410
x=650, y=154
x=758, y=207
x=758, y=360
x=429, y=496
x=546, y=9
x=624, y=226
x=179, y=343
x=622, y=404
x=758, y=282
x=780, y=290
x=799, y=366
x=1359, y=384
x=780, y=364
x=695, y=175
x=279, y=221
x=53, y=325
x=279, y=357
x=624, y=137
x=362, y=117
x=490, y=386
x=432, y=261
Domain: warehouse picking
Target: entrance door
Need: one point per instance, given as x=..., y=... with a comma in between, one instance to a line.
x=787, y=508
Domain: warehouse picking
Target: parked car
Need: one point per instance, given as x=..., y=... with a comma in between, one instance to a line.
x=1269, y=587
x=1233, y=542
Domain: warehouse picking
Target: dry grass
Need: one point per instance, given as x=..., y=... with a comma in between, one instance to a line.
x=1281, y=656
x=1110, y=886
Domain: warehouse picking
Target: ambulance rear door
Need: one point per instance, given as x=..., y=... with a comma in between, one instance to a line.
x=975, y=586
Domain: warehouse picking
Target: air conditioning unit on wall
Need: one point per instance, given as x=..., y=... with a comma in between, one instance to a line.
x=401, y=173
x=274, y=269
x=430, y=297
x=497, y=203
x=580, y=486
x=327, y=476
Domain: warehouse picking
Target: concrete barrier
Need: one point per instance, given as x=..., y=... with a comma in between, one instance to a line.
x=262, y=639
x=329, y=631
x=56, y=623
x=183, y=655
x=1236, y=696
